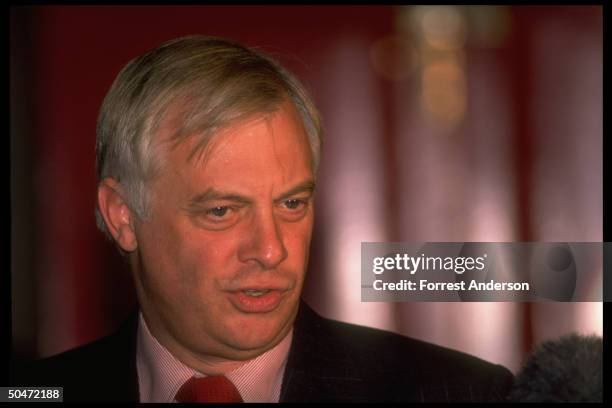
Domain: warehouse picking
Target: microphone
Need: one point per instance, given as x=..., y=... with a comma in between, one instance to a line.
x=568, y=369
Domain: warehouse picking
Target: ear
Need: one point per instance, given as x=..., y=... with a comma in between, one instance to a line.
x=116, y=213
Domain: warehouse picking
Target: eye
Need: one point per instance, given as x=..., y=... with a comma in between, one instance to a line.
x=216, y=216
x=219, y=217
x=217, y=211
x=294, y=209
x=293, y=204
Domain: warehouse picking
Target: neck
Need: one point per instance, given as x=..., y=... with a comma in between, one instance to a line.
x=204, y=364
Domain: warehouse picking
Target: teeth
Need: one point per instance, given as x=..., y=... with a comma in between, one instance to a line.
x=256, y=293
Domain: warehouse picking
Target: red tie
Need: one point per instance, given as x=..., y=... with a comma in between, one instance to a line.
x=208, y=389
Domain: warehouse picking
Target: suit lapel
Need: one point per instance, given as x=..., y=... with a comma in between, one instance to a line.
x=312, y=371
x=119, y=372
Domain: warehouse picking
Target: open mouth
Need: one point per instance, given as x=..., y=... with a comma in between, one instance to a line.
x=256, y=300
x=255, y=292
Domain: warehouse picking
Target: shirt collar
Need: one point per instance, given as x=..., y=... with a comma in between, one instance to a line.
x=160, y=374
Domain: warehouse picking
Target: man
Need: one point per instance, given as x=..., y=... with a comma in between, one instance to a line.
x=207, y=155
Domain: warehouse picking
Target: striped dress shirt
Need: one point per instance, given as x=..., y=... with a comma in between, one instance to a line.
x=160, y=374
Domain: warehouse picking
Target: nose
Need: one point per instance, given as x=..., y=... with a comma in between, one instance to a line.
x=263, y=244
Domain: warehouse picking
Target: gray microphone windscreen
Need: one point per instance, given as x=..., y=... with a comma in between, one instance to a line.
x=568, y=369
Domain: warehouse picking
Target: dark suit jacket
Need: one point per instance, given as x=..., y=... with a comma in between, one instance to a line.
x=328, y=361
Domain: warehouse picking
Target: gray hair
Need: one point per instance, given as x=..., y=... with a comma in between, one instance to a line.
x=202, y=84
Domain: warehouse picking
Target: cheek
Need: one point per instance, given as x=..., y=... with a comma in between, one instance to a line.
x=171, y=255
x=185, y=272
x=213, y=257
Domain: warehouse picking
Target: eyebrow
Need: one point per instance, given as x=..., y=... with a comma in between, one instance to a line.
x=305, y=187
x=212, y=194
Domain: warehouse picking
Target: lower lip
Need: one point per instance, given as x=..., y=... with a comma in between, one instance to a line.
x=256, y=304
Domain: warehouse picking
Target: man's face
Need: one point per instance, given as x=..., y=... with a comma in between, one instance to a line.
x=221, y=261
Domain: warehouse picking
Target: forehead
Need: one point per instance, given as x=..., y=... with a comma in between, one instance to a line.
x=270, y=145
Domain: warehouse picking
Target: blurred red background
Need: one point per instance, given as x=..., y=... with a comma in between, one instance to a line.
x=480, y=123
